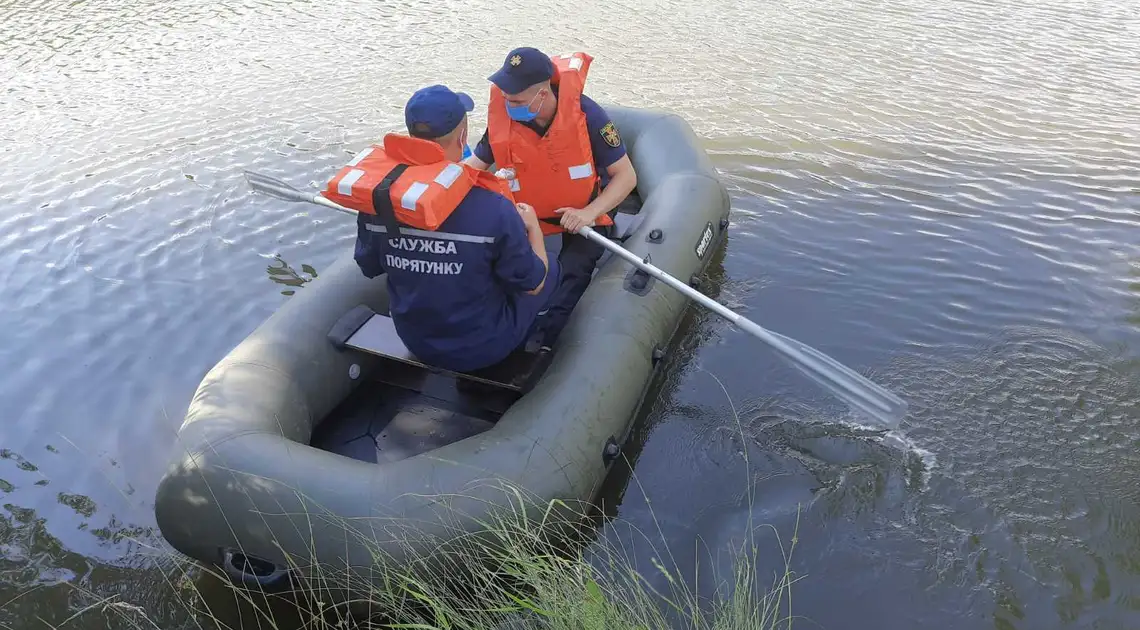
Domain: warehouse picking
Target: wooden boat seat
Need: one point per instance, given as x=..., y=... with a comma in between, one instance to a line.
x=364, y=330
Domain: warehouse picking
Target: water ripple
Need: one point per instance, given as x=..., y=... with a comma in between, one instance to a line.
x=957, y=180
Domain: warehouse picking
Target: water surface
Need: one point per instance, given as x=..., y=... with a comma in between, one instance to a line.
x=943, y=196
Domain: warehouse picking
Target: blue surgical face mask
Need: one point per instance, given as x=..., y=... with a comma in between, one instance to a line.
x=522, y=113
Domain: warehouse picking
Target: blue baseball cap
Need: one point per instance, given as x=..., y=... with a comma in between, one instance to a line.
x=522, y=68
x=435, y=110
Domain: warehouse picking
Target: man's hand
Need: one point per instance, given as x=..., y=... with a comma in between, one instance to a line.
x=574, y=218
x=475, y=162
x=530, y=219
x=534, y=235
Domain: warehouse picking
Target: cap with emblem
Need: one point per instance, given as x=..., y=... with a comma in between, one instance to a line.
x=522, y=68
x=435, y=111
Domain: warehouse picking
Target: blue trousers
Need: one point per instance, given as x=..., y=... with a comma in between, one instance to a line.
x=577, y=258
x=525, y=317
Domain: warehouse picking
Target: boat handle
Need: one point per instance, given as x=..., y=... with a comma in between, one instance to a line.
x=231, y=559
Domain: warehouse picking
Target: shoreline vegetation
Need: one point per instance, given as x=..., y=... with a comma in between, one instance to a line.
x=520, y=569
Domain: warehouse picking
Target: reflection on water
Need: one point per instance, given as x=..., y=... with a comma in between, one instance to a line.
x=1032, y=490
x=281, y=273
x=1042, y=425
x=44, y=584
x=942, y=196
x=698, y=326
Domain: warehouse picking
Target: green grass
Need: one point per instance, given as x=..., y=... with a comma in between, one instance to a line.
x=534, y=574
x=515, y=573
x=528, y=566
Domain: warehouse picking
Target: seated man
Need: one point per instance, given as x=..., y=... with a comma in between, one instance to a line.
x=466, y=268
x=568, y=160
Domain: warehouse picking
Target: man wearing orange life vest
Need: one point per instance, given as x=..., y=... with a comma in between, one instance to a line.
x=466, y=268
x=567, y=158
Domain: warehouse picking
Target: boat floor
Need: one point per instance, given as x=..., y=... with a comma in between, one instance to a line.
x=408, y=413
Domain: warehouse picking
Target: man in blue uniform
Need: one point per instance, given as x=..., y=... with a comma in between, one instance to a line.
x=524, y=79
x=465, y=296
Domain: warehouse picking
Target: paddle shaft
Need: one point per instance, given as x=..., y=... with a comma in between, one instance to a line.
x=329, y=203
x=709, y=303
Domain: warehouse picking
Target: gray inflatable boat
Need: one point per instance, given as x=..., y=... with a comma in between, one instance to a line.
x=319, y=435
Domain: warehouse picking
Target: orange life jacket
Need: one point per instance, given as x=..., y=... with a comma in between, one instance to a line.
x=412, y=178
x=555, y=170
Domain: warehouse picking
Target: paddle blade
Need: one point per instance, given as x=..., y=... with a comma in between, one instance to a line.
x=860, y=393
x=276, y=188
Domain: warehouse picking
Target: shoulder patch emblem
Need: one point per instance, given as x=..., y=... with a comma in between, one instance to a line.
x=610, y=134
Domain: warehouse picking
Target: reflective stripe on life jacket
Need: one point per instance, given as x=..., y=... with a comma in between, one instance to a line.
x=409, y=180
x=555, y=170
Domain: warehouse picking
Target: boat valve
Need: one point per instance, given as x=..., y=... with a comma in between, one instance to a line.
x=611, y=450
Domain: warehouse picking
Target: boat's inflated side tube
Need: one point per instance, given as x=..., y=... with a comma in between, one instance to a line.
x=249, y=493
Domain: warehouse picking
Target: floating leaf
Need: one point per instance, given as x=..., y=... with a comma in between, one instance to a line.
x=82, y=505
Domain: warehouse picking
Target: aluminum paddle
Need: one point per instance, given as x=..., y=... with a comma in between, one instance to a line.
x=279, y=189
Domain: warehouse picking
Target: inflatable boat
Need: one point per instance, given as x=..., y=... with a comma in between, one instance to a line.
x=319, y=436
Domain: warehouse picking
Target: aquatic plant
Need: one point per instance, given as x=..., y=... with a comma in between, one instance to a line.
x=515, y=573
